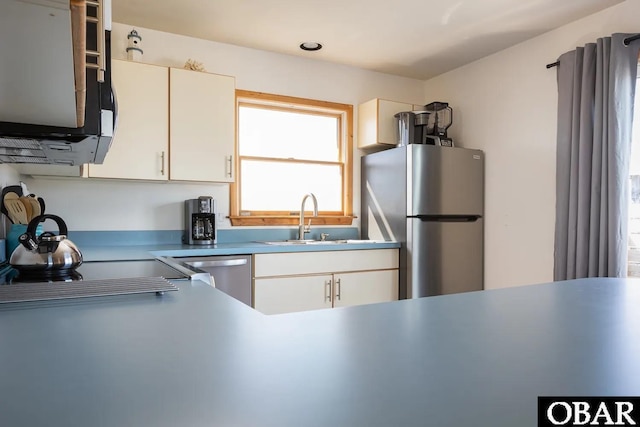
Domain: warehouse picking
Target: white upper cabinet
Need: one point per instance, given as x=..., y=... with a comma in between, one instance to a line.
x=376, y=124
x=173, y=124
x=140, y=145
x=202, y=130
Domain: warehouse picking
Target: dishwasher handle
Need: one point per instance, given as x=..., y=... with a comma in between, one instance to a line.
x=218, y=263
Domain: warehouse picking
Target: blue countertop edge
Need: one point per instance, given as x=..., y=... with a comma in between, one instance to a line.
x=130, y=245
x=121, y=238
x=142, y=252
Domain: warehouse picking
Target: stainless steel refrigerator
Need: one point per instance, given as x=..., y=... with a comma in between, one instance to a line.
x=431, y=199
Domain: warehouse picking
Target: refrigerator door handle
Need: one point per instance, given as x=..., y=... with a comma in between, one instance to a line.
x=448, y=218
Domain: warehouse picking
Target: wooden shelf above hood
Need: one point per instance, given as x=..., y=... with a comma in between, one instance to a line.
x=79, y=37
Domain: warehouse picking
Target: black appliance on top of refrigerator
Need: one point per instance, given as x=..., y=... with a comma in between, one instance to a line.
x=431, y=200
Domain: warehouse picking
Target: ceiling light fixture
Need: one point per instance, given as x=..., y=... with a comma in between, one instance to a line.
x=310, y=46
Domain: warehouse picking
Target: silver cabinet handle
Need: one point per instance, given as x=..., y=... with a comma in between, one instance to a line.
x=230, y=168
x=162, y=166
x=338, y=289
x=218, y=263
x=327, y=295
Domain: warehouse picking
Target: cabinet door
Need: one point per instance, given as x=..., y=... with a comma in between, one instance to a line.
x=140, y=144
x=366, y=287
x=202, y=131
x=288, y=294
x=376, y=124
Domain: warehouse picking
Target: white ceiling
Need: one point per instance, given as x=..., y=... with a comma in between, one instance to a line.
x=412, y=38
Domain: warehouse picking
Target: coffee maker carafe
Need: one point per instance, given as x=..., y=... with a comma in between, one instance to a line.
x=200, y=221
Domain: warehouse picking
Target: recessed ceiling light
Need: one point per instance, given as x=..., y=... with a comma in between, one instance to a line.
x=311, y=46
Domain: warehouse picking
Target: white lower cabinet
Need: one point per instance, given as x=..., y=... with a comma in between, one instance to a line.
x=288, y=294
x=366, y=287
x=290, y=282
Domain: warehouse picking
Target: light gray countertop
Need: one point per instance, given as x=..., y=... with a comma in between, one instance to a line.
x=197, y=357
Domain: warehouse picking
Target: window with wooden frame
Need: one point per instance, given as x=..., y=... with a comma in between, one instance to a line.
x=287, y=147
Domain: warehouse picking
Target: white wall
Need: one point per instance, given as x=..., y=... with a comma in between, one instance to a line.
x=505, y=104
x=113, y=205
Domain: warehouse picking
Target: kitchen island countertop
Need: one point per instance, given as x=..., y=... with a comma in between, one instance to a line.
x=197, y=357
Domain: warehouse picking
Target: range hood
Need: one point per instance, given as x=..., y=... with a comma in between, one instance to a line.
x=57, y=106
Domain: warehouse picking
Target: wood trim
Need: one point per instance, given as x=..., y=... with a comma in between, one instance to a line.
x=307, y=108
x=294, y=101
x=234, y=199
x=290, y=160
x=294, y=213
x=258, y=220
x=347, y=189
x=344, y=111
x=79, y=39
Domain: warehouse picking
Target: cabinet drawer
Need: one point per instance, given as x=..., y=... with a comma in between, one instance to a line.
x=295, y=263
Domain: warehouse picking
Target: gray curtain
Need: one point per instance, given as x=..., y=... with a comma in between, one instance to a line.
x=596, y=86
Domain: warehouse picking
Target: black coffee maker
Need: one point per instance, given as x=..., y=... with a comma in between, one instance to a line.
x=200, y=221
x=411, y=127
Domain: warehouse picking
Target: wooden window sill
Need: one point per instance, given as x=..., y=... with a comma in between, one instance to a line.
x=263, y=220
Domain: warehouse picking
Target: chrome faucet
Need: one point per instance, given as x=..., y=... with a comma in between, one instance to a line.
x=302, y=228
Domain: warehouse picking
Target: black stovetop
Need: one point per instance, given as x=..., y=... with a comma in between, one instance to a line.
x=92, y=271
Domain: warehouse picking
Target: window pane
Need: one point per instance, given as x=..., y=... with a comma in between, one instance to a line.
x=264, y=132
x=280, y=186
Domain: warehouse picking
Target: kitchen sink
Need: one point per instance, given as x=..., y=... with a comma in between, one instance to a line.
x=302, y=242
x=320, y=242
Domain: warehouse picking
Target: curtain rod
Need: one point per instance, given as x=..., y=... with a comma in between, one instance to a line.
x=625, y=41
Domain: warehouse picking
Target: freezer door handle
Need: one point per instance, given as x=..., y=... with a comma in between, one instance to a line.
x=218, y=263
x=448, y=218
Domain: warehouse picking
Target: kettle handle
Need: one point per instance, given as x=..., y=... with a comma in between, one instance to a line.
x=29, y=240
x=33, y=224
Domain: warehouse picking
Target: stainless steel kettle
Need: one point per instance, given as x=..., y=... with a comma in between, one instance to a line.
x=47, y=251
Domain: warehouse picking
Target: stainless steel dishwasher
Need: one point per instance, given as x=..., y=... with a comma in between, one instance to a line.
x=231, y=273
